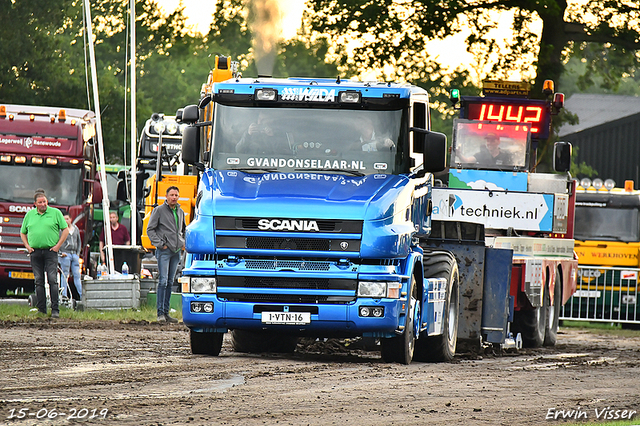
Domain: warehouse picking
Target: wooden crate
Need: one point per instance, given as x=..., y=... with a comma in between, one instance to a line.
x=111, y=294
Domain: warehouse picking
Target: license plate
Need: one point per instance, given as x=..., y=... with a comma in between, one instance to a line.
x=587, y=293
x=286, y=318
x=21, y=275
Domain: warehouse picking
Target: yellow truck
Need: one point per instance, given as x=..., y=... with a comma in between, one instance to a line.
x=607, y=242
x=164, y=133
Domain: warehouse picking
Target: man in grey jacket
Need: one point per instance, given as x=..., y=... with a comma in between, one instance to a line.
x=166, y=232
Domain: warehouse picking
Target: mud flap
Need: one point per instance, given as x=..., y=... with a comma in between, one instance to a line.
x=495, y=299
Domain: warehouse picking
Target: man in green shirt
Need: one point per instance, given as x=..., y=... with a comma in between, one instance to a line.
x=40, y=234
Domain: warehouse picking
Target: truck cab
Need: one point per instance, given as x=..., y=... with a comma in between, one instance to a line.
x=312, y=196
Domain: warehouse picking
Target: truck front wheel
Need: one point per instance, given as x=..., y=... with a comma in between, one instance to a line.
x=442, y=264
x=400, y=348
x=206, y=343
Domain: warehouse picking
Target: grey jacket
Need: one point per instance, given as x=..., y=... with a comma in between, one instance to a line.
x=162, y=230
x=72, y=244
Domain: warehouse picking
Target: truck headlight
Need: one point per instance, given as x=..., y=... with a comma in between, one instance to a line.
x=379, y=289
x=202, y=285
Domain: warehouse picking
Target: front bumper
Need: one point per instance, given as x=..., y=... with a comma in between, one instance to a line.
x=327, y=320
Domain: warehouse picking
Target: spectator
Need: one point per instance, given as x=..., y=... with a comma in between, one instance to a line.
x=69, y=258
x=166, y=232
x=43, y=231
x=119, y=235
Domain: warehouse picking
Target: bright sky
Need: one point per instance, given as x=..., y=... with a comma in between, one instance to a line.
x=450, y=53
x=199, y=14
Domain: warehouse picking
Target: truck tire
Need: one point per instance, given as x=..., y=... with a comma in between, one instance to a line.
x=532, y=323
x=400, y=348
x=553, y=313
x=262, y=341
x=206, y=343
x=442, y=264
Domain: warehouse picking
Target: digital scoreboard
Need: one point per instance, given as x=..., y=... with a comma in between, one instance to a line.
x=535, y=112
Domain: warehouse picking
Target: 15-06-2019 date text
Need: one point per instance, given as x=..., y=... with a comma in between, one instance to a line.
x=69, y=414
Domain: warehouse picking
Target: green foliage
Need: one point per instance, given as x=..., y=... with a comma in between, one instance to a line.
x=394, y=36
x=23, y=313
x=42, y=58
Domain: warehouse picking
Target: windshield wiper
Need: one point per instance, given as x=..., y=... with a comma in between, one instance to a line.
x=351, y=172
x=256, y=169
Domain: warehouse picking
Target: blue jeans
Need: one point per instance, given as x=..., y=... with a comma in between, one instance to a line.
x=167, y=267
x=70, y=262
x=45, y=261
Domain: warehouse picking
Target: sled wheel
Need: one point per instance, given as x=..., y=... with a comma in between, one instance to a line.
x=553, y=312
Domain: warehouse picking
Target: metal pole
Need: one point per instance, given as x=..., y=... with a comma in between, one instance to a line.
x=159, y=163
x=134, y=137
x=103, y=173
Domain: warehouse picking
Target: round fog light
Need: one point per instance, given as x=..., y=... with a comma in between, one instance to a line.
x=377, y=312
x=208, y=307
x=364, y=311
x=196, y=307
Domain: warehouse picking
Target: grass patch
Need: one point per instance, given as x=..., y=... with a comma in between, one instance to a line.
x=616, y=423
x=13, y=312
x=601, y=328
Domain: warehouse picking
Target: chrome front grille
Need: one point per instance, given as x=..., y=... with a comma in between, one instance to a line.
x=295, y=265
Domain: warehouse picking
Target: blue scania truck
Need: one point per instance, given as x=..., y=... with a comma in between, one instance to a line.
x=313, y=218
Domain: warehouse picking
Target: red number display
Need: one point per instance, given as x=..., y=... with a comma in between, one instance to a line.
x=531, y=111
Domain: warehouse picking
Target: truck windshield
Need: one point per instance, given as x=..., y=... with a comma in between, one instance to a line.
x=309, y=139
x=63, y=186
x=607, y=224
x=490, y=145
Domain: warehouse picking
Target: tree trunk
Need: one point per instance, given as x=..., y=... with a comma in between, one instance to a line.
x=552, y=43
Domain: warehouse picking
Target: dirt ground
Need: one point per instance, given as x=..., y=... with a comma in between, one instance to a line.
x=144, y=374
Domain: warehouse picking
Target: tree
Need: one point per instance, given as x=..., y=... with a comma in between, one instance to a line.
x=36, y=54
x=395, y=33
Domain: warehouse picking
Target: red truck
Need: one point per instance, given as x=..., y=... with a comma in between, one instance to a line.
x=49, y=148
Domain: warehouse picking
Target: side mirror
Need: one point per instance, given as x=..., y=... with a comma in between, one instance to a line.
x=562, y=156
x=204, y=101
x=179, y=114
x=435, y=152
x=97, y=190
x=190, y=114
x=191, y=143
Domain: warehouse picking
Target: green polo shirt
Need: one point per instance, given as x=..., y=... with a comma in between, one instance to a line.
x=43, y=230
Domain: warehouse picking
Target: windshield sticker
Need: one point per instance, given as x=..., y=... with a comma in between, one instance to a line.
x=488, y=179
x=306, y=163
x=308, y=94
x=380, y=166
x=29, y=142
x=234, y=161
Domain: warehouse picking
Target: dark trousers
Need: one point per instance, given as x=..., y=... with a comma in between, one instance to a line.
x=45, y=261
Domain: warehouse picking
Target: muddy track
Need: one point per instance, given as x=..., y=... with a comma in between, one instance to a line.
x=144, y=374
